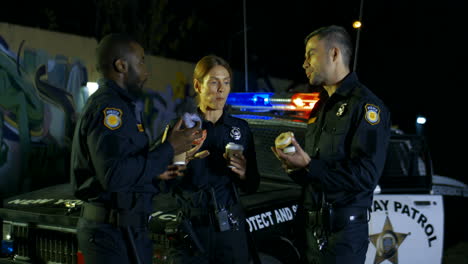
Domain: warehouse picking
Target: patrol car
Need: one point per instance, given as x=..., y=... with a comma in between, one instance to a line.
x=413, y=216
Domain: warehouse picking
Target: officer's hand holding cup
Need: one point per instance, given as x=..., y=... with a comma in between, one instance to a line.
x=235, y=158
x=172, y=172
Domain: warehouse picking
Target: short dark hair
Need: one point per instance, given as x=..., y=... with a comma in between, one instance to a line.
x=205, y=64
x=335, y=35
x=111, y=48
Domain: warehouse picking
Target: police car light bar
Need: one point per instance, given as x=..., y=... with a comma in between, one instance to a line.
x=271, y=101
x=305, y=101
x=250, y=100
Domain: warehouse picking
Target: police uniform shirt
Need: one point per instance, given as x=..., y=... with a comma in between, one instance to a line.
x=111, y=162
x=347, y=143
x=212, y=171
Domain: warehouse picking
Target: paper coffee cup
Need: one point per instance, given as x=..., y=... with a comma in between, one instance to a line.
x=179, y=159
x=232, y=149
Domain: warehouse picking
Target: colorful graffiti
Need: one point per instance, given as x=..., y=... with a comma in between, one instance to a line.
x=41, y=98
x=37, y=117
x=162, y=107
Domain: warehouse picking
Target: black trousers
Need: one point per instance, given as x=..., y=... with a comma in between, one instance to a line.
x=348, y=245
x=104, y=243
x=228, y=247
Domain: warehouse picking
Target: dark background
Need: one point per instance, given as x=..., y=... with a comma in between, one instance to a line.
x=412, y=54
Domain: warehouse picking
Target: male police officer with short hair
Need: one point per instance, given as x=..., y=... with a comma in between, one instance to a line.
x=344, y=153
x=113, y=168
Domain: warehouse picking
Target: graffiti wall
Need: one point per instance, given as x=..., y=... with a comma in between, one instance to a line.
x=37, y=118
x=43, y=77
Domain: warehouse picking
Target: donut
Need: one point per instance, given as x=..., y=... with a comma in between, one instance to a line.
x=284, y=140
x=198, y=141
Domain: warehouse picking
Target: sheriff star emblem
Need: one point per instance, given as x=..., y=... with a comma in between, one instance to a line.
x=112, y=118
x=387, y=243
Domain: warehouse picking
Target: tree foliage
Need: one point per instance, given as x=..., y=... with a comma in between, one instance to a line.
x=163, y=27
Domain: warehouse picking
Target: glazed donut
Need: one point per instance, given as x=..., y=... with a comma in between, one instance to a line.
x=284, y=140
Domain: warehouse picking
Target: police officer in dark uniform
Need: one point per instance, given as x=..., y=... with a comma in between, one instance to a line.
x=344, y=155
x=113, y=168
x=210, y=200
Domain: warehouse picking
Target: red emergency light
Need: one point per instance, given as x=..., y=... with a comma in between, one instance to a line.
x=305, y=101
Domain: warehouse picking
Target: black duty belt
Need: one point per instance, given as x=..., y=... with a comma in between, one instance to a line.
x=339, y=217
x=205, y=216
x=100, y=214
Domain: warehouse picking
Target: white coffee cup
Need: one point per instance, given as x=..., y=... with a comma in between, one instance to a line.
x=189, y=122
x=179, y=159
x=232, y=149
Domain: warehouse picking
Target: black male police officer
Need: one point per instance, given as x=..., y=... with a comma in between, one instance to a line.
x=344, y=155
x=113, y=168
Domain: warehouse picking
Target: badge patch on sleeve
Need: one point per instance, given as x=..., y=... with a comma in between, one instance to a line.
x=112, y=118
x=372, y=114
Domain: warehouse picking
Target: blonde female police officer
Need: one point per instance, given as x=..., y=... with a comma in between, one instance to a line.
x=209, y=185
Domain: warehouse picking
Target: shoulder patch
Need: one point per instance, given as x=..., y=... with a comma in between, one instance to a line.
x=112, y=118
x=372, y=114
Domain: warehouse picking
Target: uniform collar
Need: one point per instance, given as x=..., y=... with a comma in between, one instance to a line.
x=348, y=84
x=225, y=118
x=124, y=94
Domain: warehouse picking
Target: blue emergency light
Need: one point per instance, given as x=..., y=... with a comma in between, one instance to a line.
x=7, y=248
x=248, y=100
x=258, y=117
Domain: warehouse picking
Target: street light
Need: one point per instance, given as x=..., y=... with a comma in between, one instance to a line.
x=357, y=24
x=421, y=120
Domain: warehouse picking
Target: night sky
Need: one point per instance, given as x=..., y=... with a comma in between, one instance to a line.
x=412, y=54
